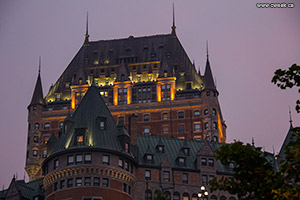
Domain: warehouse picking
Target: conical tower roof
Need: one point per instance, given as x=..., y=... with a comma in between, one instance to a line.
x=37, y=97
x=208, y=77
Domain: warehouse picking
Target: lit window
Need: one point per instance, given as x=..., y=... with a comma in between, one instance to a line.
x=126, y=165
x=106, y=159
x=80, y=140
x=87, y=159
x=166, y=176
x=146, y=118
x=165, y=116
x=45, y=139
x=149, y=158
x=35, y=153
x=160, y=149
x=61, y=124
x=186, y=151
x=185, y=196
x=180, y=115
x=147, y=174
x=87, y=181
x=146, y=131
x=79, y=159
x=168, y=87
x=78, y=181
x=57, y=98
x=70, y=160
x=206, y=112
x=121, y=163
x=214, y=111
x=44, y=153
x=210, y=162
x=203, y=161
x=96, y=181
x=36, y=126
x=181, y=161
x=197, y=127
x=120, y=91
x=56, y=164
x=144, y=90
x=163, y=87
x=196, y=113
x=105, y=182
x=176, y=196
x=185, y=178
x=125, y=91
x=165, y=130
x=102, y=125
x=180, y=128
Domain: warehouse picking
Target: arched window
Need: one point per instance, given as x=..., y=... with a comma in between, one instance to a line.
x=196, y=113
x=213, y=197
x=180, y=114
x=206, y=112
x=223, y=198
x=214, y=111
x=146, y=117
x=176, y=196
x=46, y=126
x=194, y=196
x=61, y=124
x=165, y=116
x=185, y=196
x=36, y=126
x=168, y=195
x=148, y=195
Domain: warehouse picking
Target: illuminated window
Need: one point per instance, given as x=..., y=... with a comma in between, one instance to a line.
x=78, y=181
x=216, y=139
x=56, y=164
x=149, y=158
x=105, y=159
x=126, y=165
x=139, y=78
x=57, y=98
x=163, y=87
x=80, y=81
x=87, y=159
x=120, y=91
x=197, y=127
x=186, y=151
x=168, y=87
x=180, y=128
x=165, y=130
x=44, y=153
x=36, y=126
x=166, y=176
x=125, y=91
x=147, y=174
x=80, y=140
x=79, y=159
x=121, y=163
x=144, y=90
x=185, y=196
x=206, y=112
x=205, y=125
x=46, y=126
x=180, y=115
x=181, y=161
x=61, y=124
x=185, y=178
x=165, y=116
x=70, y=160
x=203, y=161
x=214, y=111
x=210, y=162
x=146, y=131
x=146, y=118
x=35, y=153
x=196, y=113
x=45, y=139
x=102, y=125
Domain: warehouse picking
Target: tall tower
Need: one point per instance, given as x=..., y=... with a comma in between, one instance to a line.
x=33, y=152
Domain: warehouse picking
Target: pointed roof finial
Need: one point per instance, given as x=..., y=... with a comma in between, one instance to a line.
x=253, y=141
x=87, y=29
x=173, y=27
x=39, y=64
x=207, y=55
x=290, y=113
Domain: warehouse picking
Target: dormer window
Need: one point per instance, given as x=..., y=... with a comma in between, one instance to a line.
x=149, y=158
x=126, y=147
x=186, y=151
x=80, y=140
x=102, y=125
x=160, y=148
x=181, y=161
x=57, y=98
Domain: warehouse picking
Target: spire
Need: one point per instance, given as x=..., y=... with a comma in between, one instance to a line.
x=208, y=77
x=87, y=29
x=37, y=97
x=291, y=121
x=173, y=27
x=253, y=141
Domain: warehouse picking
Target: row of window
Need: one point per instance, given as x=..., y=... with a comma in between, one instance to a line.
x=46, y=126
x=180, y=115
x=35, y=153
x=86, y=181
x=166, y=176
x=181, y=128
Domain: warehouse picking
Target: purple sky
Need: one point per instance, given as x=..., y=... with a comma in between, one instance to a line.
x=246, y=45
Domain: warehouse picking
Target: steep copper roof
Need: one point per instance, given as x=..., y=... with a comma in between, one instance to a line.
x=37, y=97
x=208, y=77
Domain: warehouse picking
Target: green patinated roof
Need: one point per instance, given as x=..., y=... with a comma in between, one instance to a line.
x=86, y=120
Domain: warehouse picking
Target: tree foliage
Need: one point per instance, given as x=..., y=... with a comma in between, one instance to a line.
x=288, y=79
x=253, y=175
x=160, y=196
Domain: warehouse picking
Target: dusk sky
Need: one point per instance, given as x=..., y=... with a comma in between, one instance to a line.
x=246, y=45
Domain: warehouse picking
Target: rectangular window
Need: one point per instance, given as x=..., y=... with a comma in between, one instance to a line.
x=70, y=160
x=129, y=189
x=87, y=159
x=126, y=165
x=180, y=128
x=56, y=164
x=180, y=115
x=196, y=113
x=146, y=118
x=210, y=162
x=78, y=181
x=205, y=125
x=215, y=125
x=35, y=153
x=55, y=186
x=45, y=139
x=62, y=184
x=35, y=139
x=70, y=182
x=96, y=181
x=105, y=182
x=203, y=161
x=204, y=179
x=197, y=127
x=79, y=159
x=166, y=176
x=168, y=87
x=102, y=125
x=105, y=159
x=126, y=147
x=147, y=174
x=165, y=116
x=185, y=178
x=146, y=131
x=44, y=153
x=87, y=181
x=80, y=140
x=163, y=87
x=124, y=187
x=165, y=130
x=121, y=163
